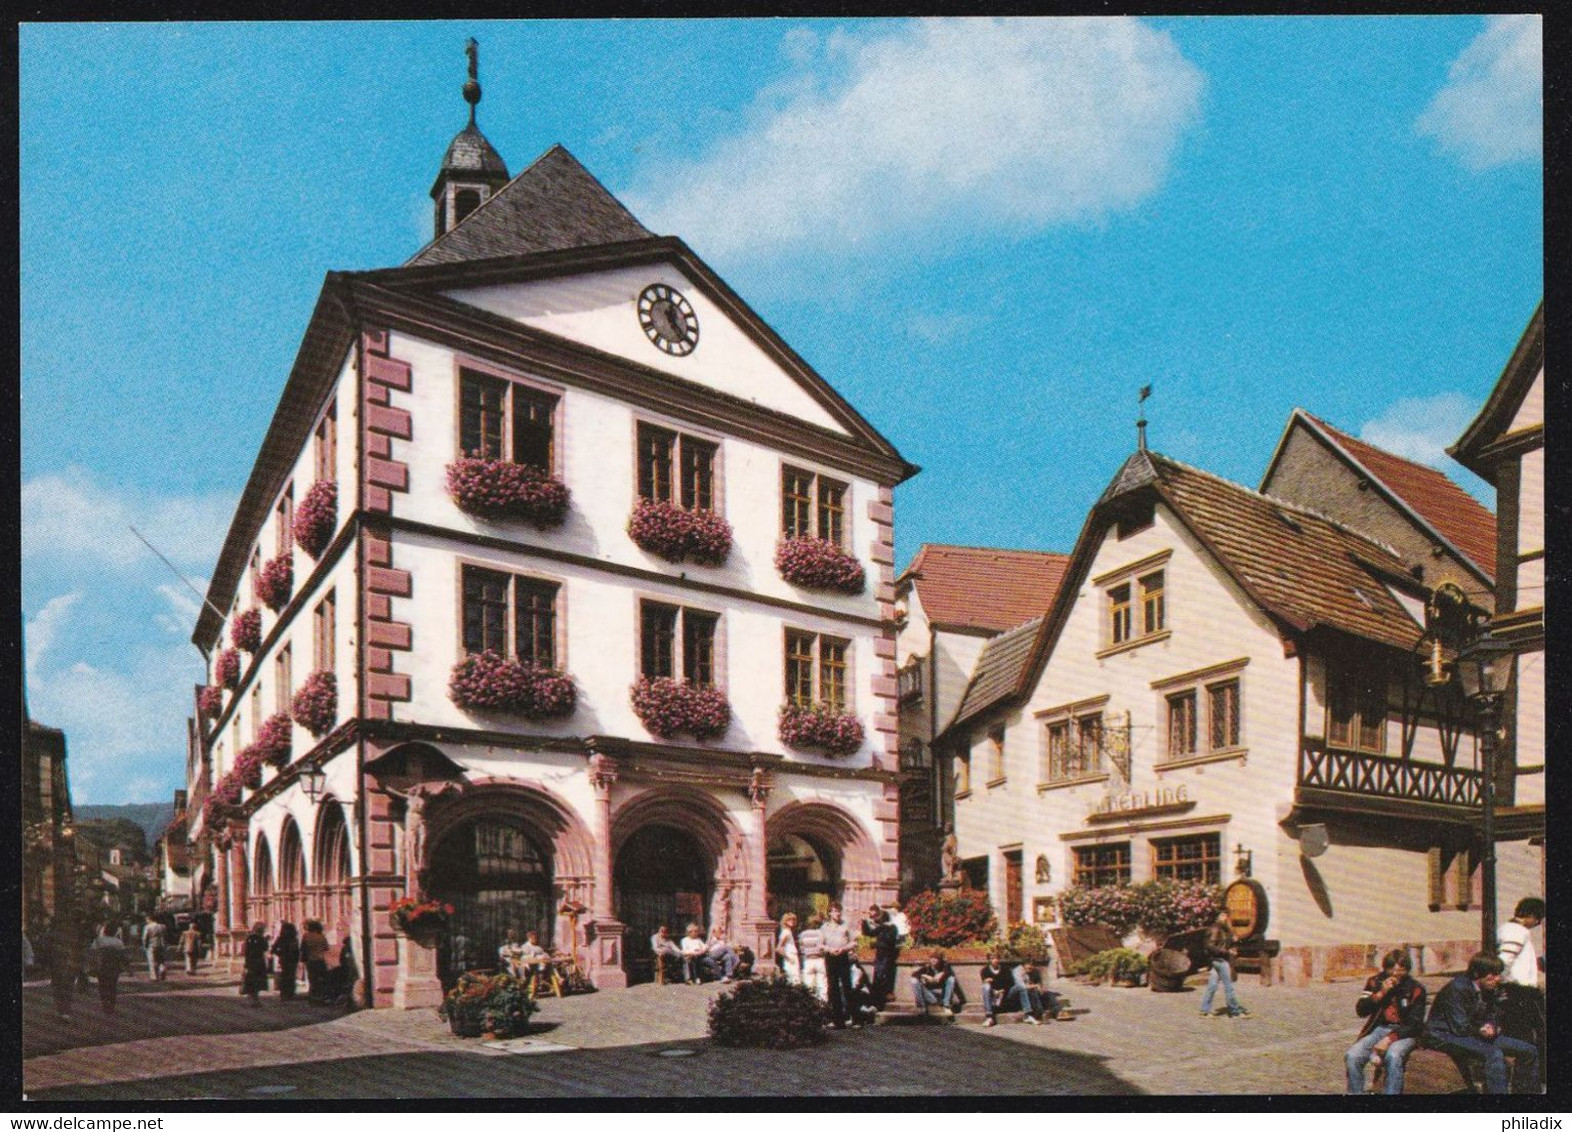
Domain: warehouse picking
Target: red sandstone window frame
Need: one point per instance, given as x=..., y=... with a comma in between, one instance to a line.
x=284, y=512
x=283, y=678
x=677, y=466
x=324, y=617
x=518, y=391
x=510, y=623
x=697, y=642
x=821, y=665
x=325, y=444
x=814, y=504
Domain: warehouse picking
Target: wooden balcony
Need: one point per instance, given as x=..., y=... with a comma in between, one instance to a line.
x=1331, y=775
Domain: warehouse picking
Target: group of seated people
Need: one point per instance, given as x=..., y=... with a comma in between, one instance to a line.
x=1491, y=1012
x=1006, y=986
x=698, y=959
x=526, y=959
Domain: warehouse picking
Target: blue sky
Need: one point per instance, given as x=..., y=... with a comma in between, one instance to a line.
x=987, y=235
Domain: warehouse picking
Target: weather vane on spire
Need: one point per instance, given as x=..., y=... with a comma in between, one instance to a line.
x=1140, y=423
x=472, y=87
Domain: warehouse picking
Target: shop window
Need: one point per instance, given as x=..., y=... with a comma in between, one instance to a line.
x=1196, y=858
x=1097, y=866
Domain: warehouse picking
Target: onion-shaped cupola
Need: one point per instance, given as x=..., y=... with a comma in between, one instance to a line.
x=471, y=170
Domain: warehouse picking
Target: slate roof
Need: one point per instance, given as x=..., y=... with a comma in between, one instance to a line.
x=553, y=204
x=976, y=587
x=1456, y=515
x=470, y=152
x=999, y=668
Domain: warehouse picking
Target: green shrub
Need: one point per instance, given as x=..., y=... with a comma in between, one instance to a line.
x=1023, y=941
x=1115, y=963
x=768, y=1014
x=940, y=919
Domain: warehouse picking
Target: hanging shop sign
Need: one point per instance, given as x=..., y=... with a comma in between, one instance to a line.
x=1136, y=803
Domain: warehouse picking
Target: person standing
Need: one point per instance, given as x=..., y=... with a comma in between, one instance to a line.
x=788, y=960
x=286, y=949
x=191, y=946
x=313, y=950
x=1523, y=1002
x=812, y=943
x=253, y=977
x=1393, y=1007
x=1220, y=946
x=108, y=963
x=153, y=943
x=838, y=944
x=1462, y=1024
x=886, y=951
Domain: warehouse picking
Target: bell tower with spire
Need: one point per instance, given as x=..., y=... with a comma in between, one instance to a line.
x=471, y=170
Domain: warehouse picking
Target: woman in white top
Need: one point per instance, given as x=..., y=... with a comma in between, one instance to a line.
x=787, y=958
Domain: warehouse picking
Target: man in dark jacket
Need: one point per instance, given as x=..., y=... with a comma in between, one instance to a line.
x=1462, y=1024
x=1393, y=1007
x=886, y=952
x=1220, y=945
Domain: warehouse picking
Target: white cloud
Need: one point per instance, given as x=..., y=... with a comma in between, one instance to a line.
x=184, y=604
x=69, y=515
x=43, y=629
x=937, y=128
x=1421, y=428
x=1490, y=110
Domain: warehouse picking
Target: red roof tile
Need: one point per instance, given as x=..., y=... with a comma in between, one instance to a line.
x=1456, y=515
x=984, y=587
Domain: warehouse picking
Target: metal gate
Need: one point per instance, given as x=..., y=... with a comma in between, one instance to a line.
x=497, y=881
x=663, y=877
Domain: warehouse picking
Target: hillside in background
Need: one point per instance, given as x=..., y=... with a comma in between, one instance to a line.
x=151, y=816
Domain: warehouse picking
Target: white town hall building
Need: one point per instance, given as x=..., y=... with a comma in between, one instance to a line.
x=562, y=592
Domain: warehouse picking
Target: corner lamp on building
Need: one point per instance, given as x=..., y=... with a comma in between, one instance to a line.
x=312, y=781
x=1482, y=668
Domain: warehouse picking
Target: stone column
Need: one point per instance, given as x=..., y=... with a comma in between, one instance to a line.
x=760, y=927
x=605, y=948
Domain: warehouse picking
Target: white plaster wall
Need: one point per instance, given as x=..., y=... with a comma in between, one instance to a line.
x=299, y=635
x=1529, y=729
x=954, y=660
x=599, y=309
x=1210, y=622
x=597, y=445
x=601, y=654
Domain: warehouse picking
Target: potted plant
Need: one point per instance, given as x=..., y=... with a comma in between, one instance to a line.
x=488, y=681
x=679, y=535
x=418, y=917
x=819, y=728
x=670, y=707
x=274, y=583
x=246, y=631
x=819, y=564
x=248, y=766
x=501, y=489
x=317, y=518
x=487, y=1004
x=315, y=705
x=274, y=739
x=210, y=701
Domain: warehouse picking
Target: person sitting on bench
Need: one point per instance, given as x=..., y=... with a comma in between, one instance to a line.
x=697, y=964
x=1462, y=1025
x=1393, y=1007
x=667, y=954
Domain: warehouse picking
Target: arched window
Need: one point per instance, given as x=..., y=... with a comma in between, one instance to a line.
x=291, y=859
x=330, y=861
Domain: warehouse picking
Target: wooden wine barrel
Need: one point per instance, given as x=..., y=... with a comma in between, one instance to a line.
x=1248, y=914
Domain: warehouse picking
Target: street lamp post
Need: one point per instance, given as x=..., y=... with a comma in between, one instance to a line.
x=1482, y=668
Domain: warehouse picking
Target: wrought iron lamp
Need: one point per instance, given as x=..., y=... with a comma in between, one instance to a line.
x=1482, y=668
x=312, y=781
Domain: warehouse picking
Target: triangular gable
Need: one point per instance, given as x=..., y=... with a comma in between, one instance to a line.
x=552, y=205
x=1502, y=410
x=589, y=296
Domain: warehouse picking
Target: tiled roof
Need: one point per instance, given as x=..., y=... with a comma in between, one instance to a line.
x=999, y=668
x=1304, y=568
x=985, y=587
x=552, y=205
x=1456, y=515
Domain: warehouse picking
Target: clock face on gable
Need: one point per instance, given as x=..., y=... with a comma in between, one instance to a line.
x=668, y=319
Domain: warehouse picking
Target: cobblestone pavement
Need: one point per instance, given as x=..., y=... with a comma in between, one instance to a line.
x=196, y=1038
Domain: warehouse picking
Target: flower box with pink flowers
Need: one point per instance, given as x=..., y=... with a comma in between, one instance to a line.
x=820, y=728
x=317, y=518
x=488, y=681
x=501, y=489
x=819, y=564
x=679, y=535
x=210, y=701
x=226, y=669
x=315, y=705
x=245, y=632
x=668, y=708
x=275, y=582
